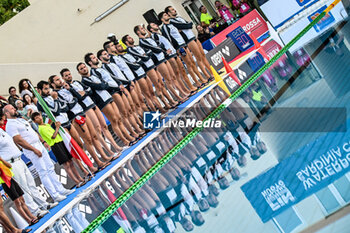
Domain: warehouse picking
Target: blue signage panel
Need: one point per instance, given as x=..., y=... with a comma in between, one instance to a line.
x=310, y=169
x=241, y=39
x=256, y=61
x=324, y=22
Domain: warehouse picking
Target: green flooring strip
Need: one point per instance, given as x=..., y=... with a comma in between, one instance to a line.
x=166, y=158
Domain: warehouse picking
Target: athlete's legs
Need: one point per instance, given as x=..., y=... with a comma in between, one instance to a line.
x=73, y=132
x=105, y=129
x=176, y=77
x=135, y=106
x=125, y=122
x=164, y=90
x=197, y=54
x=5, y=221
x=192, y=70
x=85, y=134
x=163, y=70
x=140, y=96
x=184, y=75
x=92, y=116
x=123, y=106
x=194, y=65
x=116, y=124
x=206, y=63
x=95, y=141
x=153, y=95
x=160, y=90
x=69, y=167
x=23, y=209
x=131, y=108
x=146, y=92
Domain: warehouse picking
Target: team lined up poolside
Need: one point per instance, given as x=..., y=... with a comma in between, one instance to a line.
x=150, y=76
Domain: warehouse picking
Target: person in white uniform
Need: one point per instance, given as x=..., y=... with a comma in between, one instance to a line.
x=10, y=152
x=24, y=135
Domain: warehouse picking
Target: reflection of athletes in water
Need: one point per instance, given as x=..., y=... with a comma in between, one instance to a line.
x=255, y=97
x=283, y=68
x=247, y=128
x=144, y=204
x=238, y=140
x=188, y=181
x=335, y=44
x=98, y=202
x=170, y=184
x=302, y=58
x=270, y=81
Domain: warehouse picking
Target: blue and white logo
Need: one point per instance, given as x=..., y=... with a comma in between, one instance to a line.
x=151, y=120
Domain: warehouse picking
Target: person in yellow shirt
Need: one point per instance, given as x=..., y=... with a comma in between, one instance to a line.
x=14, y=191
x=205, y=16
x=60, y=151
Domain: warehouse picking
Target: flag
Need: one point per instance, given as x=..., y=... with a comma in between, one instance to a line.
x=69, y=142
x=46, y=120
x=75, y=149
x=6, y=174
x=119, y=215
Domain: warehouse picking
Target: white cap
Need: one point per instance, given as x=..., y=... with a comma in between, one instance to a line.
x=18, y=101
x=110, y=35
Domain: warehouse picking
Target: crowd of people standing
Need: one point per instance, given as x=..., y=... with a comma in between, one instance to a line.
x=117, y=84
x=227, y=15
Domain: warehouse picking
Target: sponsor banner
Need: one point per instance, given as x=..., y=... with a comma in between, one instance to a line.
x=241, y=39
x=271, y=48
x=251, y=23
x=231, y=84
x=244, y=72
x=226, y=49
x=256, y=61
x=324, y=22
x=310, y=169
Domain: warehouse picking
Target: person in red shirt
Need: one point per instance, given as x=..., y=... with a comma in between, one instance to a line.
x=242, y=6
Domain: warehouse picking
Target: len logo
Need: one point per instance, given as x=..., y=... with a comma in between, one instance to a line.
x=151, y=120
